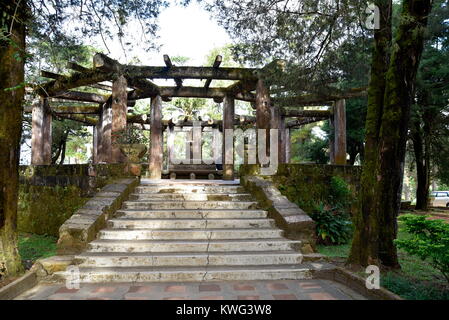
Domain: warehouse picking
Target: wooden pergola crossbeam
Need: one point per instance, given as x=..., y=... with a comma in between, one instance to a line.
x=306, y=113
x=316, y=99
x=61, y=109
x=216, y=65
x=82, y=96
x=170, y=65
x=303, y=122
x=76, y=67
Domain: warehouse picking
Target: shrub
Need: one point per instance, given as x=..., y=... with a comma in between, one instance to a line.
x=429, y=241
x=339, y=193
x=332, y=225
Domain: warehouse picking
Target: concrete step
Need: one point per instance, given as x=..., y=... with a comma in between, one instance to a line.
x=192, y=196
x=191, y=214
x=187, y=234
x=200, y=205
x=187, y=274
x=181, y=182
x=190, y=223
x=242, y=245
x=153, y=259
x=182, y=189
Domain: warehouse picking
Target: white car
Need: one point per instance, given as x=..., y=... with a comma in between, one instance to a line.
x=439, y=199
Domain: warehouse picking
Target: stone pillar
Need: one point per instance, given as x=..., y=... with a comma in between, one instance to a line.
x=331, y=140
x=340, y=132
x=282, y=140
x=263, y=116
x=228, y=148
x=217, y=145
x=95, y=142
x=156, y=148
x=119, y=110
x=104, y=138
x=41, y=133
x=170, y=145
x=288, y=146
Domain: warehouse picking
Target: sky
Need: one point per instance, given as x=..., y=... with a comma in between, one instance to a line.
x=184, y=31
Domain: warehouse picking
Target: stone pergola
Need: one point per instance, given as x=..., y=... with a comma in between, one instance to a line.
x=108, y=112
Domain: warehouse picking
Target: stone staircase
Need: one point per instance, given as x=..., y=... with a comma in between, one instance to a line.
x=192, y=231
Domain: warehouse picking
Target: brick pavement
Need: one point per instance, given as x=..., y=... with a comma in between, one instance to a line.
x=315, y=289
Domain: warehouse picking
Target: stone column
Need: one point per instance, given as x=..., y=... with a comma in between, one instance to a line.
x=288, y=146
x=331, y=140
x=263, y=117
x=41, y=133
x=156, y=149
x=119, y=110
x=340, y=132
x=104, y=138
x=95, y=142
x=228, y=146
x=170, y=145
x=282, y=140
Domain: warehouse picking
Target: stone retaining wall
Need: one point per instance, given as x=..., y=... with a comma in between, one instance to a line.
x=309, y=184
x=50, y=194
x=83, y=226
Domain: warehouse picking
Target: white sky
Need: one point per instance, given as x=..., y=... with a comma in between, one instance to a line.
x=184, y=31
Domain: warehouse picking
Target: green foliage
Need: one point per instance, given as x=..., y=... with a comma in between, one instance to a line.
x=33, y=246
x=332, y=225
x=410, y=289
x=340, y=195
x=130, y=135
x=429, y=241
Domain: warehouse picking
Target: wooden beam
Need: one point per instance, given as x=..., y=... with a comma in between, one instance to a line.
x=82, y=96
x=83, y=118
x=303, y=122
x=156, y=148
x=315, y=99
x=51, y=75
x=228, y=141
x=216, y=65
x=119, y=111
x=144, y=88
x=76, y=67
x=61, y=109
x=41, y=134
x=306, y=113
x=104, y=63
x=340, y=132
x=169, y=65
x=263, y=117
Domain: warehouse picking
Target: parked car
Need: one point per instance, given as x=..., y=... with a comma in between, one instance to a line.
x=439, y=199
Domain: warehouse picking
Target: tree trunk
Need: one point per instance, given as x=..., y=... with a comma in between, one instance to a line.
x=422, y=172
x=389, y=103
x=12, y=53
x=64, y=148
x=364, y=250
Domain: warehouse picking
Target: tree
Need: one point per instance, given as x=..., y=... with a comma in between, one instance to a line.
x=390, y=95
x=45, y=20
x=12, y=89
x=305, y=32
x=429, y=119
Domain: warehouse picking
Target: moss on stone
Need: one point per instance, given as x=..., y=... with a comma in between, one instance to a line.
x=42, y=209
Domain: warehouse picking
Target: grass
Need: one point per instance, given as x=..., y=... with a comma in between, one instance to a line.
x=33, y=246
x=417, y=279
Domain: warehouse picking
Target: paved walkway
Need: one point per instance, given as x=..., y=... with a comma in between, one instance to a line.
x=232, y=290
